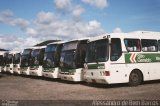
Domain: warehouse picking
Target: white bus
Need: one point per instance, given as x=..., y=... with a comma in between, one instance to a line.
x=16, y=63
x=51, y=60
x=9, y=64
x=25, y=61
x=123, y=58
x=2, y=62
x=72, y=60
x=5, y=59
x=36, y=61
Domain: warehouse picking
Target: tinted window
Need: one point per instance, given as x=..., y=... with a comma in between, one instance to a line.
x=16, y=58
x=70, y=45
x=27, y=51
x=97, y=51
x=81, y=53
x=116, y=50
x=149, y=45
x=132, y=45
x=51, y=48
x=159, y=45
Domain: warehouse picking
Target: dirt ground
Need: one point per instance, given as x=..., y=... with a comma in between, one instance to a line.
x=14, y=87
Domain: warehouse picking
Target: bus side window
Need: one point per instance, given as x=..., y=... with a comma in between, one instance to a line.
x=116, y=49
x=149, y=45
x=158, y=45
x=132, y=45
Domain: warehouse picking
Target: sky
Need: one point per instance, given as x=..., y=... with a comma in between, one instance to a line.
x=24, y=23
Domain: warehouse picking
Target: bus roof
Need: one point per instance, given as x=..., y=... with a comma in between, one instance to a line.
x=2, y=52
x=134, y=35
x=14, y=52
x=80, y=39
x=59, y=42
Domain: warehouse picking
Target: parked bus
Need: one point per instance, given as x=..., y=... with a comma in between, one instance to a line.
x=36, y=61
x=9, y=64
x=51, y=60
x=25, y=61
x=123, y=58
x=2, y=62
x=5, y=58
x=72, y=60
x=16, y=63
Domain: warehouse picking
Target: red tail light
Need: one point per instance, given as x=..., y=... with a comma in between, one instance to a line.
x=107, y=73
x=93, y=81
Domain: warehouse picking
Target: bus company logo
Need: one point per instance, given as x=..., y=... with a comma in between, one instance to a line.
x=132, y=58
x=140, y=58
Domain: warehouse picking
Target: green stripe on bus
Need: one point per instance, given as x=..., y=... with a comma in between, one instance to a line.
x=48, y=69
x=142, y=57
x=68, y=70
x=127, y=58
x=96, y=66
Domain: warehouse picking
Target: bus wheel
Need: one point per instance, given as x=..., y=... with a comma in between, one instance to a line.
x=135, y=78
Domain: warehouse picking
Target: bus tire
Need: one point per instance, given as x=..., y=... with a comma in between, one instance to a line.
x=135, y=78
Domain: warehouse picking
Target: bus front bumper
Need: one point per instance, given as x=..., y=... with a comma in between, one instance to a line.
x=50, y=74
x=16, y=70
x=9, y=69
x=74, y=78
x=24, y=71
x=91, y=79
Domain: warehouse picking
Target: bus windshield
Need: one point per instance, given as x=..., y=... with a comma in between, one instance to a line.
x=97, y=51
x=67, y=59
x=16, y=59
x=52, y=56
x=25, y=60
x=51, y=48
x=10, y=58
x=70, y=46
x=27, y=51
x=48, y=60
x=1, y=60
x=37, y=57
x=35, y=52
x=68, y=55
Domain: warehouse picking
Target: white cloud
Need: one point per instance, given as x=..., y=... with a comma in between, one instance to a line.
x=11, y=42
x=49, y=26
x=97, y=3
x=62, y=4
x=117, y=30
x=7, y=17
x=31, y=31
x=77, y=11
x=59, y=28
x=19, y=22
x=68, y=7
x=45, y=17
